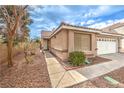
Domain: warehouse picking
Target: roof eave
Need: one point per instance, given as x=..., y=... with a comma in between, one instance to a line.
x=74, y=28
x=97, y=31
x=81, y=29
x=105, y=33
x=45, y=37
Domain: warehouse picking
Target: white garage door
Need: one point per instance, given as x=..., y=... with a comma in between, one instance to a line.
x=106, y=45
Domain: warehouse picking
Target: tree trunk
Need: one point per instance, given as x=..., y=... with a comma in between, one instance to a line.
x=9, y=50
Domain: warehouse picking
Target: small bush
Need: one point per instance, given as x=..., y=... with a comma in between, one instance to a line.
x=76, y=58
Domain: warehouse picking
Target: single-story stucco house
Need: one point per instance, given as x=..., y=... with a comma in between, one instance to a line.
x=67, y=38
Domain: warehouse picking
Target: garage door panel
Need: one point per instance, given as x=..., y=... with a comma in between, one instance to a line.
x=106, y=46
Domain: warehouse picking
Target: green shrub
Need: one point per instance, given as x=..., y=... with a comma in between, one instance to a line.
x=76, y=58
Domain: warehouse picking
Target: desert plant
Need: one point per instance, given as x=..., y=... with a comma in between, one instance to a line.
x=27, y=52
x=76, y=58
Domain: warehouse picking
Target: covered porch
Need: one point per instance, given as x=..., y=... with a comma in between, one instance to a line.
x=45, y=44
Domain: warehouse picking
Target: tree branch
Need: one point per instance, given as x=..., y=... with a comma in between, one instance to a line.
x=5, y=16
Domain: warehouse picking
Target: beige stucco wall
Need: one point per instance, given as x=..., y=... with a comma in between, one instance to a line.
x=44, y=44
x=71, y=41
x=59, y=41
x=63, y=43
x=94, y=43
x=121, y=41
x=62, y=55
x=120, y=30
x=121, y=44
x=58, y=44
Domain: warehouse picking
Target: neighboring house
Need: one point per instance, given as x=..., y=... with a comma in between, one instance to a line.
x=67, y=38
x=117, y=28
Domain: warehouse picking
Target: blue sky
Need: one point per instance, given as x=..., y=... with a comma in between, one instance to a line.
x=49, y=17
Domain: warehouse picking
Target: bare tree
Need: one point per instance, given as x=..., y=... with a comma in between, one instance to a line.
x=13, y=18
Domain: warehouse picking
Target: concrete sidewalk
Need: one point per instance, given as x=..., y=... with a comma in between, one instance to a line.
x=100, y=69
x=59, y=76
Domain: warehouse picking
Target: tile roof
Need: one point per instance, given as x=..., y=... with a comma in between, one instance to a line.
x=63, y=23
x=111, y=29
x=117, y=25
x=69, y=25
x=45, y=34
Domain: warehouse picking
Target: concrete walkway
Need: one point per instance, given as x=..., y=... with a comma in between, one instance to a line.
x=100, y=69
x=59, y=76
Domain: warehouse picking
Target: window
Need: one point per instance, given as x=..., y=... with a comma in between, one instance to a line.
x=82, y=42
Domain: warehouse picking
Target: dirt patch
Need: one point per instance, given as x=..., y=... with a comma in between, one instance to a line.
x=86, y=84
x=118, y=75
x=25, y=75
x=95, y=83
x=98, y=59
x=102, y=83
x=3, y=52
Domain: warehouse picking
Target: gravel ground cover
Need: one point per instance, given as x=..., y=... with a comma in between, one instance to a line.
x=86, y=84
x=3, y=52
x=100, y=82
x=25, y=75
x=118, y=75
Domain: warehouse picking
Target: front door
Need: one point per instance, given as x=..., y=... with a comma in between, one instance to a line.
x=45, y=44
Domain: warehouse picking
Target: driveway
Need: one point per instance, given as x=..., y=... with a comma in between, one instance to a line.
x=116, y=56
x=61, y=78
x=103, y=68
